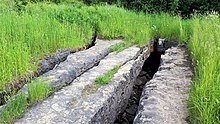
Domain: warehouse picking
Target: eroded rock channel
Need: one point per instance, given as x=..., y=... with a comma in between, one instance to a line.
x=149, y=68
x=164, y=98
x=149, y=87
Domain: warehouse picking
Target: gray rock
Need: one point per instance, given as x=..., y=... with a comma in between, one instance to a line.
x=164, y=98
x=51, y=62
x=75, y=65
x=132, y=109
x=71, y=105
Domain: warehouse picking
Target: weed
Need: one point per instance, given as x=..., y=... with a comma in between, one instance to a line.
x=37, y=90
x=103, y=80
x=14, y=109
x=16, y=106
x=120, y=47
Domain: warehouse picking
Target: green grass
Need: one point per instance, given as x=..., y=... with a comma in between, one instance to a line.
x=120, y=23
x=15, y=108
x=37, y=91
x=120, y=47
x=103, y=80
x=204, y=101
x=25, y=37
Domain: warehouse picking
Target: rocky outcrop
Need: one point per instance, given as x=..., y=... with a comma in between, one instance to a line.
x=75, y=64
x=71, y=105
x=164, y=98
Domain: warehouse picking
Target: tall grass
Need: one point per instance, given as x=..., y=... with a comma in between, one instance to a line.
x=120, y=23
x=16, y=107
x=14, y=110
x=204, y=101
x=25, y=38
x=43, y=28
x=37, y=90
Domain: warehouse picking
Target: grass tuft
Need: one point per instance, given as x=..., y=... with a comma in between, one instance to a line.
x=37, y=90
x=120, y=47
x=103, y=80
x=13, y=110
x=16, y=107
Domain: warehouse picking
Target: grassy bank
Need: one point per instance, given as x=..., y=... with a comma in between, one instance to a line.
x=44, y=28
x=16, y=107
x=26, y=37
x=204, y=101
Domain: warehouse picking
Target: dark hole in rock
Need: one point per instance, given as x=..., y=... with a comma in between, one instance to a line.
x=149, y=68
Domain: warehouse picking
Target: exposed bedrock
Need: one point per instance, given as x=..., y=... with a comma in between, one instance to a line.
x=75, y=64
x=164, y=98
x=45, y=65
x=73, y=105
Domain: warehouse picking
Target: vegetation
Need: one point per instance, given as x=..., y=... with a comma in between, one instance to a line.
x=14, y=110
x=37, y=90
x=27, y=37
x=120, y=47
x=185, y=8
x=16, y=107
x=33, y=30
x=103, y=80
x=204, y=101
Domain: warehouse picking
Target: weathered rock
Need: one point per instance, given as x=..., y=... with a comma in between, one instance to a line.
x=164, y=98
x=49, y=63
x=75, y=65
x=70, y=105
x=128, y=115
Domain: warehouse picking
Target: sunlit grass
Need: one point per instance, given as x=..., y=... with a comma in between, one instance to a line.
x=37, y=90
x=14, y=110
x=204, y=101
x=25, y=38
x=103, y=80
x=44, y=28
x=16, y=106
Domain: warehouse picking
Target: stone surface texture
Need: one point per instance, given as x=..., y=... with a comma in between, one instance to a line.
x=49, y=63
x=164, y=98
x=69, y=106
x=75, y=64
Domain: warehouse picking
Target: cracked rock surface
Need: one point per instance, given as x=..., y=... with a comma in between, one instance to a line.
x=164, y=98
x=68, y=105
x=75, y=64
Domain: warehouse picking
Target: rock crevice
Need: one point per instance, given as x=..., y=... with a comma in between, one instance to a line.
x=59, y=107
x=164, y=98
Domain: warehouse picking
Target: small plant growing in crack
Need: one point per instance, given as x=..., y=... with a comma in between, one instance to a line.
x=103, y=80
x=120, y=47
x=37, y=90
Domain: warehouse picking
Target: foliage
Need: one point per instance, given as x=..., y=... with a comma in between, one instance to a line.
x=120, y=23
x=43, y=28
x=120, y=47
x=103, y=80
x=18, y=104
x=27, y=37
x=37, y=90
x=183, y=7
x=14, y=109
x=204, y=105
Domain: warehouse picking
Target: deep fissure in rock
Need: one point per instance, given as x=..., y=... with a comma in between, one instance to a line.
x=149, y=68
